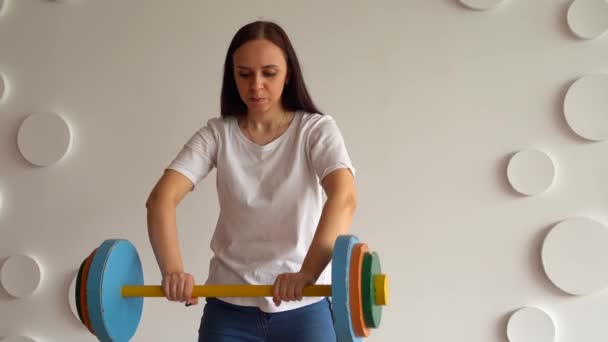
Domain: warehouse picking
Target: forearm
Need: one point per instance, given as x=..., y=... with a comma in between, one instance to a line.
x=162, y=232
x=335, y=220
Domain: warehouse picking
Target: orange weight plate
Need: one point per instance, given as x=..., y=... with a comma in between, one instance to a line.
x=356, y=299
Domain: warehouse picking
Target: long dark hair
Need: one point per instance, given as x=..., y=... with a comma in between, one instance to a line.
x=295, y=95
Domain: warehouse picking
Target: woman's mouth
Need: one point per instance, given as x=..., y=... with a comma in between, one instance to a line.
x=256, y=99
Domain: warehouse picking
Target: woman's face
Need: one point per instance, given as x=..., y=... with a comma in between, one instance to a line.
x=260, y=71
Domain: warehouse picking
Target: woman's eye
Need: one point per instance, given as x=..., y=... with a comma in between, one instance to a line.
x=266, y=74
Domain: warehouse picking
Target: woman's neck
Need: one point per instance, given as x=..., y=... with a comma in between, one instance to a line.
x=266, y=121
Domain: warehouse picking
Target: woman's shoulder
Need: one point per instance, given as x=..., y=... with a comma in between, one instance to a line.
x=315, y=123
x=313, y=120
x=213, y=129
x=220, y=121
x=217, y=123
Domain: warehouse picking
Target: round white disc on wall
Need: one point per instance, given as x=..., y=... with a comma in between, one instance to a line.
x=588, y=19
x=531, y=172
x=575, y=256
x=530, y=325
x=43, y=139
x=20, y=275
x=586, y=107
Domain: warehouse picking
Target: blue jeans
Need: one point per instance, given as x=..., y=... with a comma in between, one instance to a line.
x=225, y=322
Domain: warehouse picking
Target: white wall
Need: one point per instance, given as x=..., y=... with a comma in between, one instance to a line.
x=433, y=99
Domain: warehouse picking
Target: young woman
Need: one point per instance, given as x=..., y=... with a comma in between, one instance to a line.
x=275, y=155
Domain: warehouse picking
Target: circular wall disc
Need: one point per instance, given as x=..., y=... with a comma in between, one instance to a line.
x=586, y=107
x=575, y=256
x=531, y=172
x=20, y=275
x=588, y=19
x=530, y=325
x=43, y=139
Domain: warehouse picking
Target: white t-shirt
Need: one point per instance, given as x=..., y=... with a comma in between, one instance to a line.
x=270, y=198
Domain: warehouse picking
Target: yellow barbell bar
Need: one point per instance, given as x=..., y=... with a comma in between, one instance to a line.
x=222, y=291
x=380, y=282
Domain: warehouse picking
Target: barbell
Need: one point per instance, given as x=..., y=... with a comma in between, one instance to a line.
x=110, y=289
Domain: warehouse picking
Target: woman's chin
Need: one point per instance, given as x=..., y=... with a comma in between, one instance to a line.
x=258, y=108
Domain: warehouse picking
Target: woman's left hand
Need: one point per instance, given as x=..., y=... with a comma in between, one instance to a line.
x=289, y=286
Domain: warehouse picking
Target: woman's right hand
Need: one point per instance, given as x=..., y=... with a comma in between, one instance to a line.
x=178, y=287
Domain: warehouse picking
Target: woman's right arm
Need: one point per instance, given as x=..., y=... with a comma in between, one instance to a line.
x=161, y=207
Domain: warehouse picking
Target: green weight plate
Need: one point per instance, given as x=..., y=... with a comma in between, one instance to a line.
x=371, y=312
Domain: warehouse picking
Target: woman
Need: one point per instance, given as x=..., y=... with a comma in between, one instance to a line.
x=276, y=155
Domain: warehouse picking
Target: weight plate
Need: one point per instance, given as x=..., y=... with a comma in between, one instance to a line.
x=77, y=290
x=114, y=317
x=84, y=307
x=356, y=304
x=371, y=311
x=340, y=288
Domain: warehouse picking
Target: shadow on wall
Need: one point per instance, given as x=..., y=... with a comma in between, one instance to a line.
x=501, y=327
x=561, y=22
x=456, y=4
x=536, y=262
x=3, y=294
x=460, y=4
x=11, y=141
x=502, y=179
x=560, y=117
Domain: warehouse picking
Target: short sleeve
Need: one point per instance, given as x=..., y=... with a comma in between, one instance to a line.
x=198, y=156
x=327, y=149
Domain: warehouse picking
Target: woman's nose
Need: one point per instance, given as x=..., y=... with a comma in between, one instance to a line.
x=256, y=82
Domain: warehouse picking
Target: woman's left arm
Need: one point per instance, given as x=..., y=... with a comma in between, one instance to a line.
x=335, y=220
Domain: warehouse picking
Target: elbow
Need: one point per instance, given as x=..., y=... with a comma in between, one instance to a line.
x=151, y=201
x=156, y=201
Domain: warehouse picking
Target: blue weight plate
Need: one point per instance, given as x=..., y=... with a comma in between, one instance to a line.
x=113, y=317
x=340, y=267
